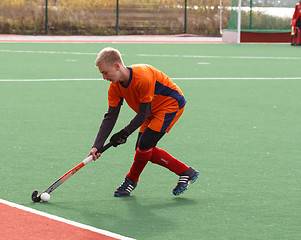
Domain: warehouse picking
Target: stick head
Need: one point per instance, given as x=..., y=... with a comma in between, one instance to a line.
x=35, y=197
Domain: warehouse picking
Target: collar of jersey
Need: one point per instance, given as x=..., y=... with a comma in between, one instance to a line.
x=130, y=79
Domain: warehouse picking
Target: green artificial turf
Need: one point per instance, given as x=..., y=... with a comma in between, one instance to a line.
x=240, y=129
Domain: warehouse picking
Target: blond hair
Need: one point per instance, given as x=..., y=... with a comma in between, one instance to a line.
x=108, y=56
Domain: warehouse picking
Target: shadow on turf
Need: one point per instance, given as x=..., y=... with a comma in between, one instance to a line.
x=133, y=216
x=152, y=217
x=158, y=203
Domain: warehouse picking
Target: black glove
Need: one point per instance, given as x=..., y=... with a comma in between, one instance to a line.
x=119, y=138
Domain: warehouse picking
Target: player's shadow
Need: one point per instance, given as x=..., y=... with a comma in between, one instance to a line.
x=137, y=214
x=155, y=216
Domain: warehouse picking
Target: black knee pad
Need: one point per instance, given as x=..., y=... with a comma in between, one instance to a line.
x=148, y=139
x=145, y=144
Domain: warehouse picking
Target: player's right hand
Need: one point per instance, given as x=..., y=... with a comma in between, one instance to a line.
x=94, y=153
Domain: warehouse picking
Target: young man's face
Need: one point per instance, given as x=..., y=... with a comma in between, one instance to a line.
x=110, y=72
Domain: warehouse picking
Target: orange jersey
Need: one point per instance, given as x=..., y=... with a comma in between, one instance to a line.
x=147, y=84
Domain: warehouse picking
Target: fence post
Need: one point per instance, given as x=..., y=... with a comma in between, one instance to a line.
x=251, y=10
x=185, y=18
x=46, y=16
x=239, y=21
x=221, y=17
x=117, y=17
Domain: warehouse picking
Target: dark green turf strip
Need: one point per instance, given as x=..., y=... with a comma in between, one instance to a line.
x=243, y=136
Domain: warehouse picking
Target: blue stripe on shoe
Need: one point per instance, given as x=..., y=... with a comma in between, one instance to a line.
x=195, y=177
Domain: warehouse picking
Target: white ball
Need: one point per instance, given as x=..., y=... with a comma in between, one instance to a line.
x=45, y=197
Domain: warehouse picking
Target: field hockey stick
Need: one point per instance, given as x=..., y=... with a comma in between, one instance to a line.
x=36, y=198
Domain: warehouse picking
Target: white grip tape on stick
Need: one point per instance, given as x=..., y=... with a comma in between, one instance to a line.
x=88, y=159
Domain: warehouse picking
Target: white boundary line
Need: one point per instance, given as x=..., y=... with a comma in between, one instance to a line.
x=227, y=57
x=50, y=80
x=47, y=52
x=63, y=220
x=155, y=55
x=241, y=78
x=99, y=79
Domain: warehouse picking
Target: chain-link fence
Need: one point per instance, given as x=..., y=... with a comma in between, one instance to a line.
x=129, y=17
x=107, y=17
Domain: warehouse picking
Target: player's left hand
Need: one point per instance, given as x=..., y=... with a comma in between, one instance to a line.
x=119, y=138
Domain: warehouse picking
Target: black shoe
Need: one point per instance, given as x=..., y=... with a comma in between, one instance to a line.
x=125, y=188
x=190, y=176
